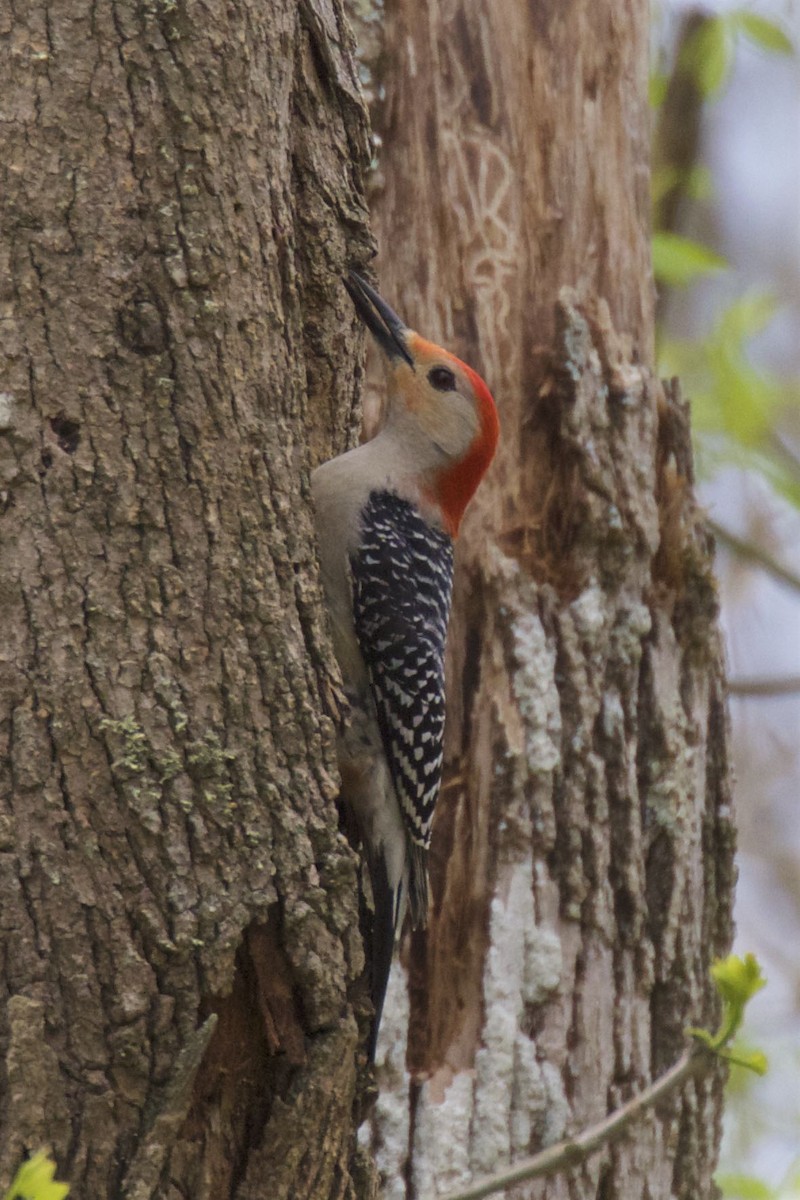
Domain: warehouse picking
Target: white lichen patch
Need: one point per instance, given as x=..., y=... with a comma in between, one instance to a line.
x=504, y=987
x=542, y=971
x=535, y=692
x=556, y=1110
x=456, y=1135
x=6, y=411
x=590, y=612
x=528, y=1097
x=479, y=1119
x=441, y=1157
x=638, y=622
x=390, y=1120
x=613, y=716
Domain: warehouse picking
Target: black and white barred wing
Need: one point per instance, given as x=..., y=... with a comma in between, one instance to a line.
x=402, y=583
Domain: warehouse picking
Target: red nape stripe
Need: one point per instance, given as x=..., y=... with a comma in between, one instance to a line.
x=455, y=486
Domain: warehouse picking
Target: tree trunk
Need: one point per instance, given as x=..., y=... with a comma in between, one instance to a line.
x=183, y=976
x=182, y=190
x=583, y=845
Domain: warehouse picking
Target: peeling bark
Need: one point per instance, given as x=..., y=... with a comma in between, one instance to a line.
x=582, y=856
x=183, y=998
x=182, y=190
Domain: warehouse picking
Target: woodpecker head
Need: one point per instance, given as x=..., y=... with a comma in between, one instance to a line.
x=443, y=401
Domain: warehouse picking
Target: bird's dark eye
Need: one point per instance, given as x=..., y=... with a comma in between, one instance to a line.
x=442, y=379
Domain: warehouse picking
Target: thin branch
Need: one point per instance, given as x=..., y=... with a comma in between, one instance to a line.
x=756, y=554
x=786, y=449
x=788, y=685
x=572, y=1152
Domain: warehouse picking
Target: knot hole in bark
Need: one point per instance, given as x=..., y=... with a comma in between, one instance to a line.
x=67, y=432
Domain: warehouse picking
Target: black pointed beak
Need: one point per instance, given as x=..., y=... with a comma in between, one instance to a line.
x=384, y=324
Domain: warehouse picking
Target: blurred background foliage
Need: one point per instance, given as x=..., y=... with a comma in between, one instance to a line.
x=725, y=92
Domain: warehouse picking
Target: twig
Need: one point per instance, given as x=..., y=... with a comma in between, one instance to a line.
x=575, y=1150
x=787, y=685
x=756, y=554
x=785, y=449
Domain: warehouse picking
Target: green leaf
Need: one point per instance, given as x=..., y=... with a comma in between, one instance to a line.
x=744, y=399
x=790, y=1185
x=678, y=260
x=700, y=183
x=747, y=316
x=744, y=1187
x=34, y=1180
x=704, y=1036
x=751, y=1060
x=738, y=980
x=708, y=54
x=735, y=405
x=730, y=395
x=761, y=32
x=696, y=183
x=657, y=88
x=750, y=398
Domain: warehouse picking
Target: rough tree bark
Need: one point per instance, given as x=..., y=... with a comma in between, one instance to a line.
x=182, y=188
x=583, y=847
x=181, y=965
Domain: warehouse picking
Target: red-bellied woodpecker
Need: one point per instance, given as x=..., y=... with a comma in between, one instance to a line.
x=386, y=516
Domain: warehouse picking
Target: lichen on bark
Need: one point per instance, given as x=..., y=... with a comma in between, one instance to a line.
x=587, y=796
x=182, y=192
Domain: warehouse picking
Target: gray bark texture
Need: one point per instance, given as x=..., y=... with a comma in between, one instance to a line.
x=583, y=848
x=182, y=188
